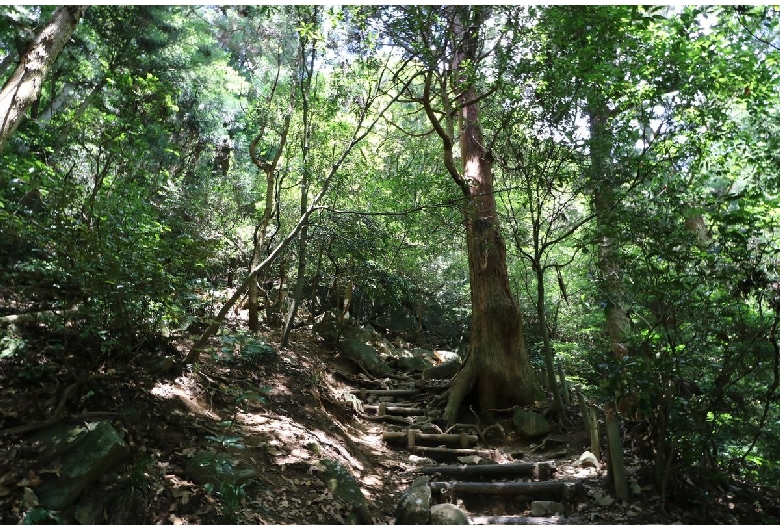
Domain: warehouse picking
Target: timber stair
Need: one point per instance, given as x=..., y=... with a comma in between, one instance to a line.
x=490, y=493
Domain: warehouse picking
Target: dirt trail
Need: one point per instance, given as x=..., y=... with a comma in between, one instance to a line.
x=279, y=418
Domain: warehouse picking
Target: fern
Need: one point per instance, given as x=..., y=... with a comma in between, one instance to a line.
x=40, y=515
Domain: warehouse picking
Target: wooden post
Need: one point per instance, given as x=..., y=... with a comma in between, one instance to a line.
x=615, y=446
x=595, y=446
x=584, y=412
x=410, y=436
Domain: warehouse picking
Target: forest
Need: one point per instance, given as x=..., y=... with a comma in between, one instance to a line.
x=234, y=239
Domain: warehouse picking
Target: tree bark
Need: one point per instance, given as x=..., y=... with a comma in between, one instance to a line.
x=303, y=237
x=604, y=201
x=24, y=86
x=498, y=363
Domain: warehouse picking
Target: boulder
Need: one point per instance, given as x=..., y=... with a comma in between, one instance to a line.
x=412, y=364
x=414, y=506
x=344, y=486
x=447, y=514
x=328, y=328
x=363, y=355
x=85, y=454
x=356, y=333
x=446, y=370
x=445, y=356
x=529, y=424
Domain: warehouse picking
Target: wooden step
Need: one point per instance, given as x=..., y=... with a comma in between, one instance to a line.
x=551, y=490
x=413, y=437
x=538, y=470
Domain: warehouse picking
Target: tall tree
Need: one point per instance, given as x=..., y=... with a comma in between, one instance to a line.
x=24, y=85
x=498, y=366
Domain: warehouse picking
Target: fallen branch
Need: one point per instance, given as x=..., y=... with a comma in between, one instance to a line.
x=37, y=316
x=31, y=427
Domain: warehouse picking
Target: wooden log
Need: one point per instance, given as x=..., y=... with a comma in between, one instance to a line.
x=615, y=447
x=516, y=519
x=453, y=439
x=551, y=490
x=384, y=409
x=383, y=392
x=448, y=453
x=28, y=318
x=541, y=470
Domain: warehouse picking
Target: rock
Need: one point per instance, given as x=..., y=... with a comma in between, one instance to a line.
x=85, y=453
x=542, y=508
x=219, y=469
x=446, y=370
x=445, y=355
x=356, y=333
x=414, y=506
x=447, y=514
x=328, y=328
x=588, y=459
x=471, y=459
x=603, y=500
x=413, y=363
x=344, y=486
x=529, y=424
x=384, y=348
x=363, y=355
x=420, y=460
x=162, y=366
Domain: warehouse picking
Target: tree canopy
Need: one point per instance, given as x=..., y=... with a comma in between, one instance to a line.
x=583, y=190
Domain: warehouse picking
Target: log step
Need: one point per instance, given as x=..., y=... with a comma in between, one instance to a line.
x=517, y=519
x=383, y=409
x=552, y=490
x=539, y=470
x=448, y=453
x=413, y=437
x=362, y=393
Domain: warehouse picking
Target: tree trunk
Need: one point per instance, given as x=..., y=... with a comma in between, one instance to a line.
x=24, y=86
x=604, y=201
x=303, y=238
x=549, y=360
x=498, y=362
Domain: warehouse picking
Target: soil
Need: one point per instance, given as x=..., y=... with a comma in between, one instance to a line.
x=280, y=417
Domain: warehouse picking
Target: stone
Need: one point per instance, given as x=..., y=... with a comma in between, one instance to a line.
x=411, y=363
x=529, y=424
x=445, y=355
x=446, y=370
x=447, y=514
x=356, y=333
x=362, y=354
x=588, y=459
x=543, y=508
x=85, y=454
x=414, y=506
x=344, y=486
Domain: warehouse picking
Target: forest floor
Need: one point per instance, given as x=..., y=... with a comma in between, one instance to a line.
x=303, y=418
